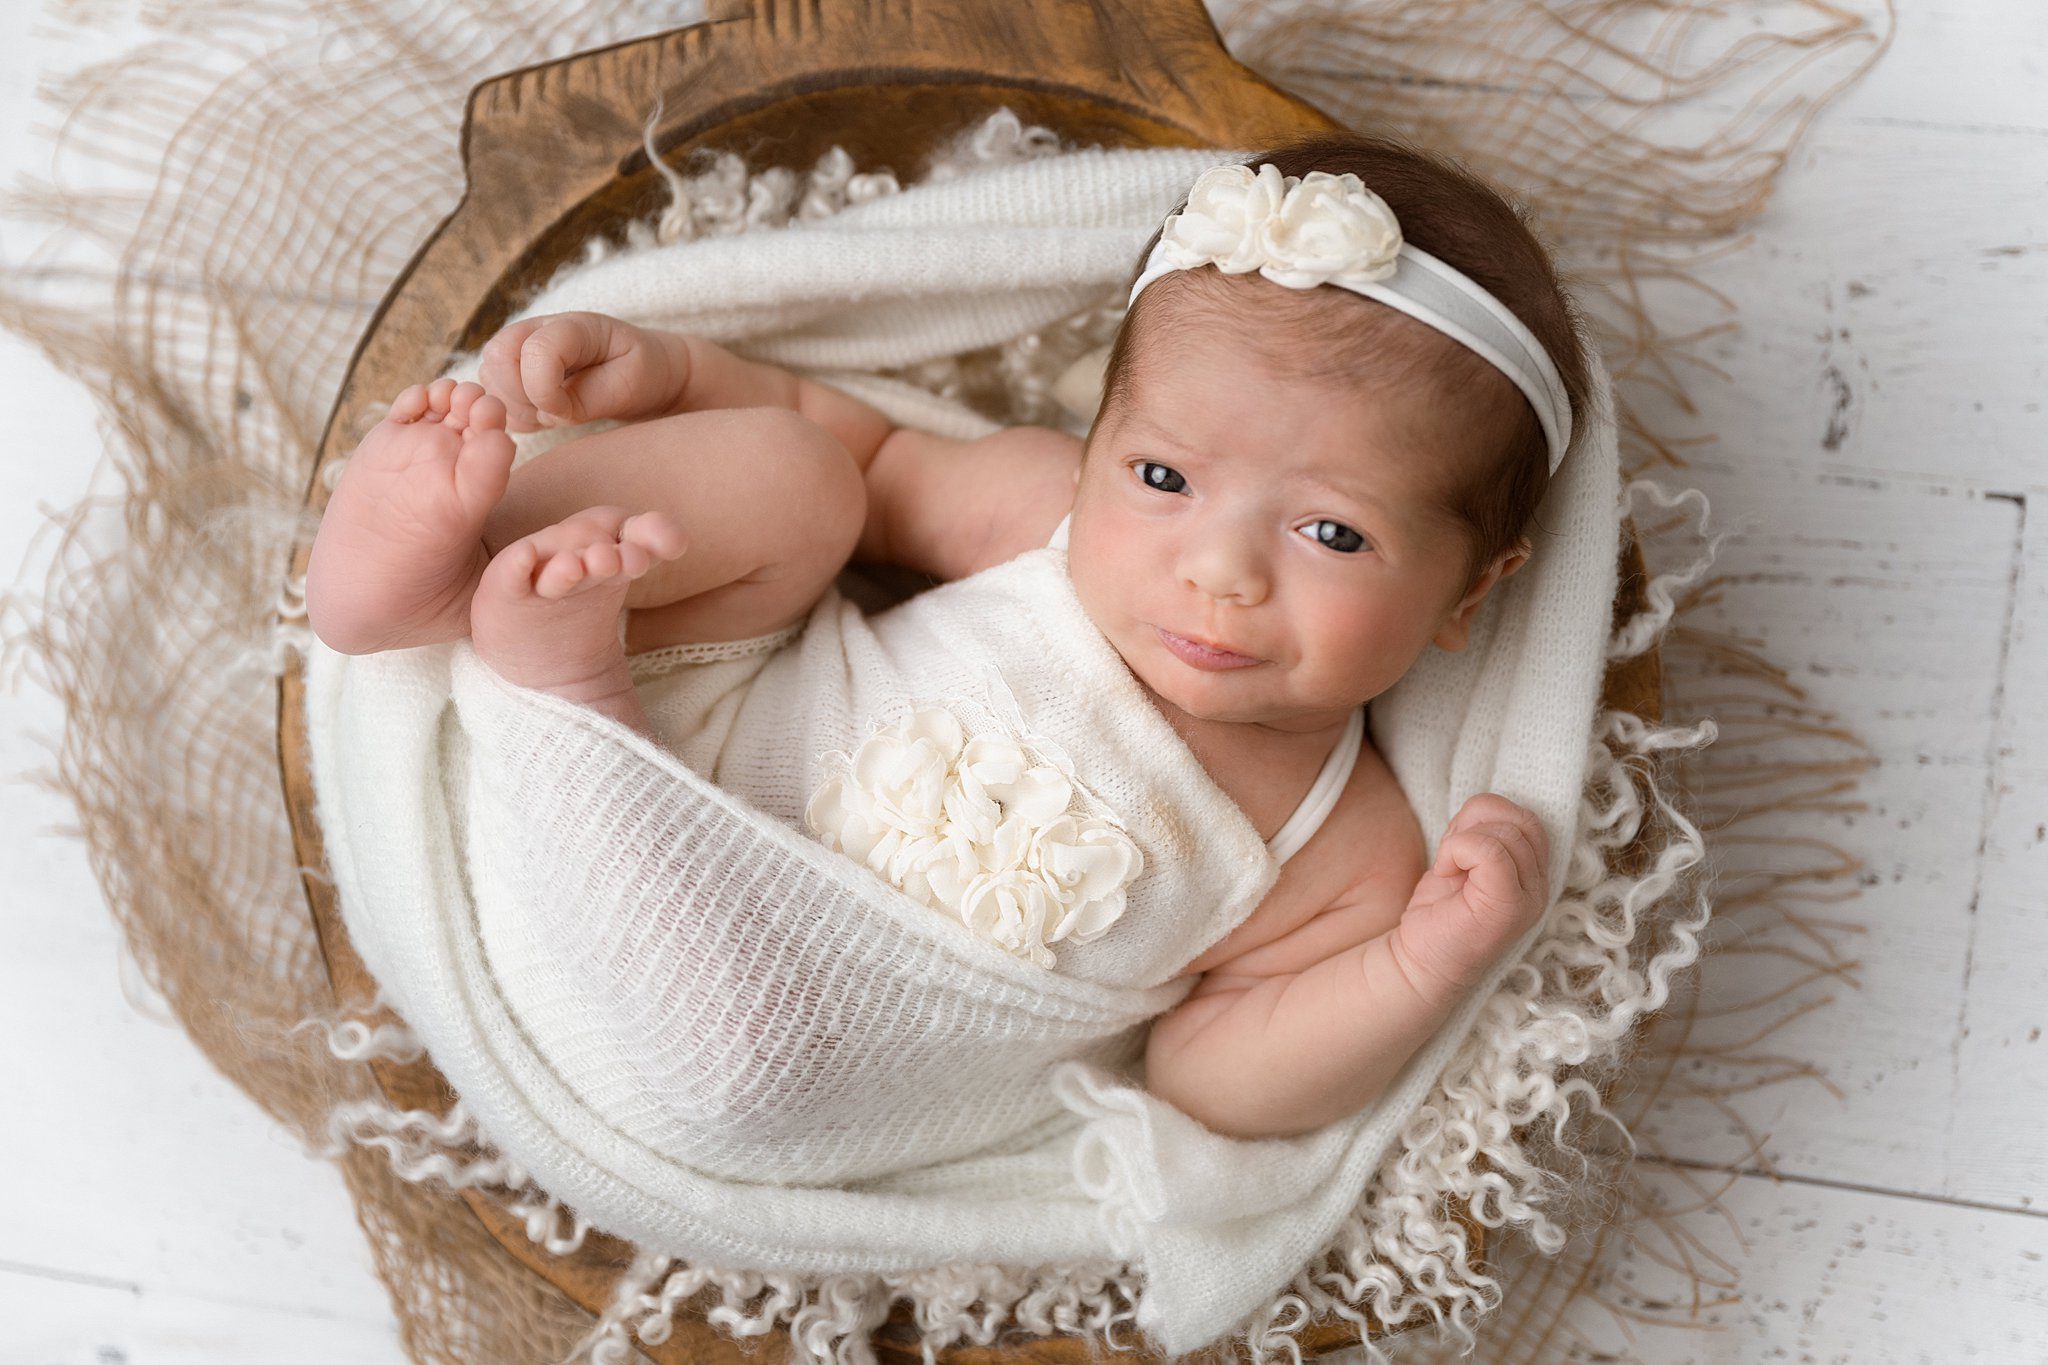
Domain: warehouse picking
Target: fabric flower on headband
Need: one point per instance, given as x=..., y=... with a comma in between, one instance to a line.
x=1298, y=232
x=979, y=829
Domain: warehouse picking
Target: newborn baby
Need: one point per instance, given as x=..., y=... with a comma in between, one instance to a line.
x=1290, y=491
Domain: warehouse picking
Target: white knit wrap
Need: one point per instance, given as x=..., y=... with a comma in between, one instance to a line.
x=492, y=845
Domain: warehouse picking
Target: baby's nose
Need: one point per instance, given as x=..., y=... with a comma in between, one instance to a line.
x=1225, y=569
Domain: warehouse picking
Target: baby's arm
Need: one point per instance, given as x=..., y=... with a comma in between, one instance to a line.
x=929, y=509
x=1280, y=1055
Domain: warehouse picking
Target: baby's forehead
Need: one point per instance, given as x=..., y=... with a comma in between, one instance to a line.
x=1355, y=349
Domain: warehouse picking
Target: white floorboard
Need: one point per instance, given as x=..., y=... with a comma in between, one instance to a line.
x=1837, y=1276
x=153, y=1215
x=1884, y=444
x=51, y=1320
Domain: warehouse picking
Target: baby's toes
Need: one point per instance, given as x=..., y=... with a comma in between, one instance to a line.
x=601, y=561
x=483, y=467
x=440, y=394
x=461, y=401
x=409, y=404
x=510, y=573
x=633, y=560
x=487, y=413
x=660, y=535
x=560, y=575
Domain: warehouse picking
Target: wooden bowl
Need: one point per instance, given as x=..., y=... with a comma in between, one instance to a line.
x=554, y=157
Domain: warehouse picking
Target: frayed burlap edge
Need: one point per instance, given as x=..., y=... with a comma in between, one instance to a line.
x=269, y=171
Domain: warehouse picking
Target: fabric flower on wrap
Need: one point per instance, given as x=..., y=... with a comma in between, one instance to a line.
x=979, y=828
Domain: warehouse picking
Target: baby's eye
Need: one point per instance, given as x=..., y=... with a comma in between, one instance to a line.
x=1340, y=538
x=1168, y=480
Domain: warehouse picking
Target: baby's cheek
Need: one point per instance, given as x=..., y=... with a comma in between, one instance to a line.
x=1342, y=657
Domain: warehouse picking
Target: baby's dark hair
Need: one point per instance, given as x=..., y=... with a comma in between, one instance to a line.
x=1335, y=335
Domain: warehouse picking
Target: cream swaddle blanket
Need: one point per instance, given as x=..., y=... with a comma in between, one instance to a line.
x=711, y=1035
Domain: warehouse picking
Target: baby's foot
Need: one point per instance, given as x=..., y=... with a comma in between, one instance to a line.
x=546, y=612
x=400, y=547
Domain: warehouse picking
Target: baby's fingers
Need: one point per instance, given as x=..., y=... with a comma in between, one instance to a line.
x=1490, y=810
x=1529, y=848
x=580, y=367
x=498, y=372
x=554, y=351
x=1467, y=851
x=1500, y=861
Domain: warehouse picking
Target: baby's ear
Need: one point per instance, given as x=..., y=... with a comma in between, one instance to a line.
x=1457, y=627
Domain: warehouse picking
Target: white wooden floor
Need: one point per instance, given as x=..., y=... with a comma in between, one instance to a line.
x=1883, y=436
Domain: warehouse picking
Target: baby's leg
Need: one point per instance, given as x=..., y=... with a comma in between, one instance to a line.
x=750, y=513
x=768, y=503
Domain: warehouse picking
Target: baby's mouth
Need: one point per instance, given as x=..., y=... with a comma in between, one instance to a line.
x=1196, y=654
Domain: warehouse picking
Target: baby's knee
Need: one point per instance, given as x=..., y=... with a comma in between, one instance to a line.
x=817, y=482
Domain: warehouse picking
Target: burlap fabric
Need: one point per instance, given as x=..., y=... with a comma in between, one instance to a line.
x=239, y=192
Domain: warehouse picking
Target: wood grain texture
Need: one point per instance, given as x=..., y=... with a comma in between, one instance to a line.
x=555, y=157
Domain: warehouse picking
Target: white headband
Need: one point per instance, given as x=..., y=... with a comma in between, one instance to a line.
x=1330, y=229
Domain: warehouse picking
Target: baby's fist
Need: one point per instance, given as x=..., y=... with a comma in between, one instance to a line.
x=1491, y=881
x=563, y=369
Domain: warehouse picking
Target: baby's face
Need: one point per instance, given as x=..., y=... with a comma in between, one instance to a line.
x=1285, y=521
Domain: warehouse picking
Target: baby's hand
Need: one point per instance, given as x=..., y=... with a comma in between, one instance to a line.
x=1491, y=881
x=562, y=369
